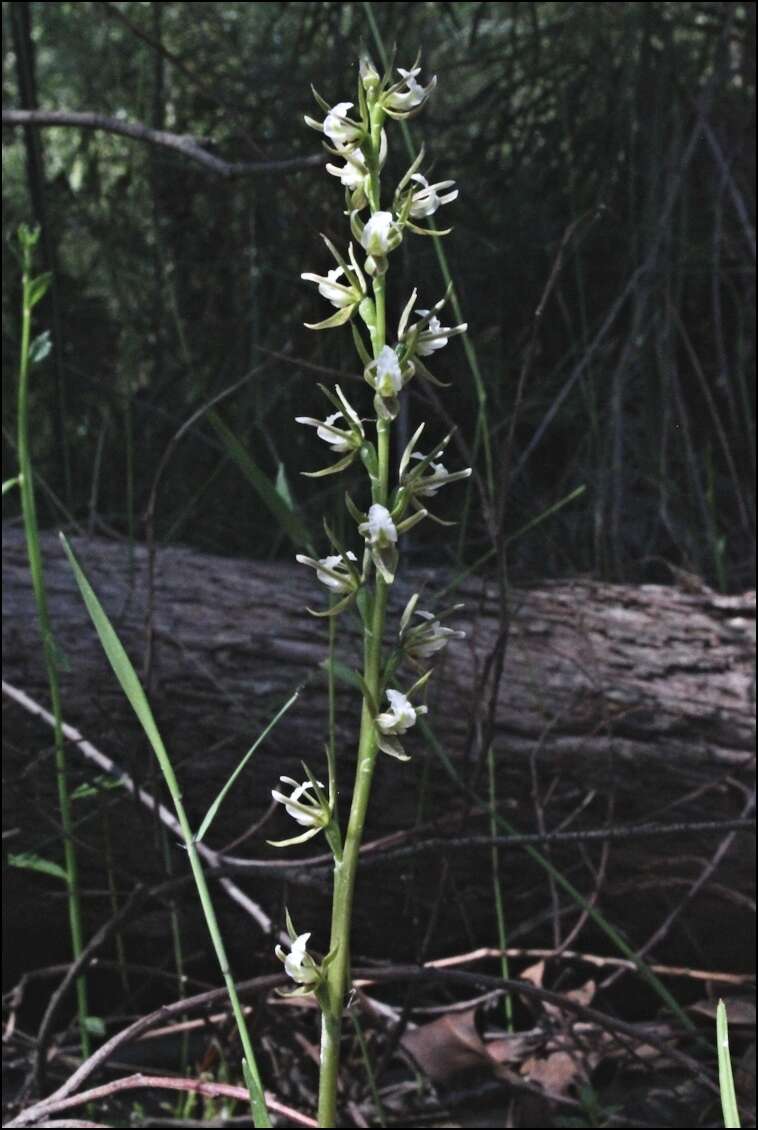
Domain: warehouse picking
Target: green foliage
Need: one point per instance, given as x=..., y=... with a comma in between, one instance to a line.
x=726, y=1081
x=633, y=122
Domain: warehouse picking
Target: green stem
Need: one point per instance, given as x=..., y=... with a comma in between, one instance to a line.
x=337, y=977
x=502, y=934
x=31, y=529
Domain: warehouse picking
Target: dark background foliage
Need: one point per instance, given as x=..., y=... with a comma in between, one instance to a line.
x=628, y=126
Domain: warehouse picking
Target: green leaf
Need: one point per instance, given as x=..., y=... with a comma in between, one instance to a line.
x=343, y=315
x=95, y=1025
x=726, y=1081
x=28, y=861
x=335, y=468
x=40, y=348
x=99, y=785
x=342, y=673
x=283, y=487
x=285, y=514
x=211, y=813
x=9, y=484
x=258, y=1107
x=38, y=289
x=123, y=669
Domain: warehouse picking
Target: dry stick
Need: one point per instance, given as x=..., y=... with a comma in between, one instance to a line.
x=374, y=853
x=184, y=144
x=702, y=879
x=590, y=899
x=600, y=960
x=165, y=1083
x=167, y=818
x=75, y=969
x=159, y=1015
x=635, y=1032
x=363, y=977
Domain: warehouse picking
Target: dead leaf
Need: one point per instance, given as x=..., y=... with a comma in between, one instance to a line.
x=556, y=1073
x=447, y=1046
x=534, y=974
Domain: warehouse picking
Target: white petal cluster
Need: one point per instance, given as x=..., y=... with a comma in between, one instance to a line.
x=381, y=234
x=298, y=963
x=379, y=530
x=400, y=101
x=423, y=641
x=395, y=722
x=426, y=200
x=302, y=805
x=334, y=564
x=333, y=571
x=353, y=172
x=434, y=335
x=388, y=379
x=400, y=716
x=338, y=127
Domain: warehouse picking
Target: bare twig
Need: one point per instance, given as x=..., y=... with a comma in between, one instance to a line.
x=184, y=144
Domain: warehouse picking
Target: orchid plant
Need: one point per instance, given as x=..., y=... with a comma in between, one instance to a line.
x=355, y=138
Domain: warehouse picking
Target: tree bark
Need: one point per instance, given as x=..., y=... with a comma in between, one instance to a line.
x=638, y=693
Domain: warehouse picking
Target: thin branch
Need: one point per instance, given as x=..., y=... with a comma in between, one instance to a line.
x=185, y=144
x=167, y=1083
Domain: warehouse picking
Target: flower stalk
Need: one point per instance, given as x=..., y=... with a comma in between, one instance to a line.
x=357, y=287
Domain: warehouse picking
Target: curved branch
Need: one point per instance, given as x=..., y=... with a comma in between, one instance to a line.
x=180, y=143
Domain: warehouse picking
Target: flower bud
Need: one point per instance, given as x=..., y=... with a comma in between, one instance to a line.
x=381, y=234
x=369, y=75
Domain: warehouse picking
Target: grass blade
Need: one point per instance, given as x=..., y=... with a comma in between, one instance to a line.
x=130, y=684
x=271, y=497
x=211, y=813
x=726, y=1080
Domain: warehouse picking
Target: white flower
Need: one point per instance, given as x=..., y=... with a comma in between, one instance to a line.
x=338, y=128
x=298, y=963
x=426, y=200
x=427, y=485
x=335, y=563
x=379, y=530
x=381, y=234
x=400, y=716
x=389, y=379
x=337, y=439
x=301, y=805
x=345, y=295
x=339, y=294
x=403, y=101
x=425, y=640
x=380, y=533
x=333, y=571
x=353, y=172
x=435, y=335
x=433, y=482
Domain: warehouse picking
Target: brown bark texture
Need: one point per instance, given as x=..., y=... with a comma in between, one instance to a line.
x=616, y=701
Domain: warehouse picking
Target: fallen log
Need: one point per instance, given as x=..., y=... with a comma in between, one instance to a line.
x=638, y=693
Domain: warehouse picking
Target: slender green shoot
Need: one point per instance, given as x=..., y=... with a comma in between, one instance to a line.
x=726, y=1080
x=502, y=934
x=371, y=1077
x=213, y=810
x=33, y=352
x=132, y=688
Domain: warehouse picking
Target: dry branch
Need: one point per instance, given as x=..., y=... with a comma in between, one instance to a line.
x=184, y=144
